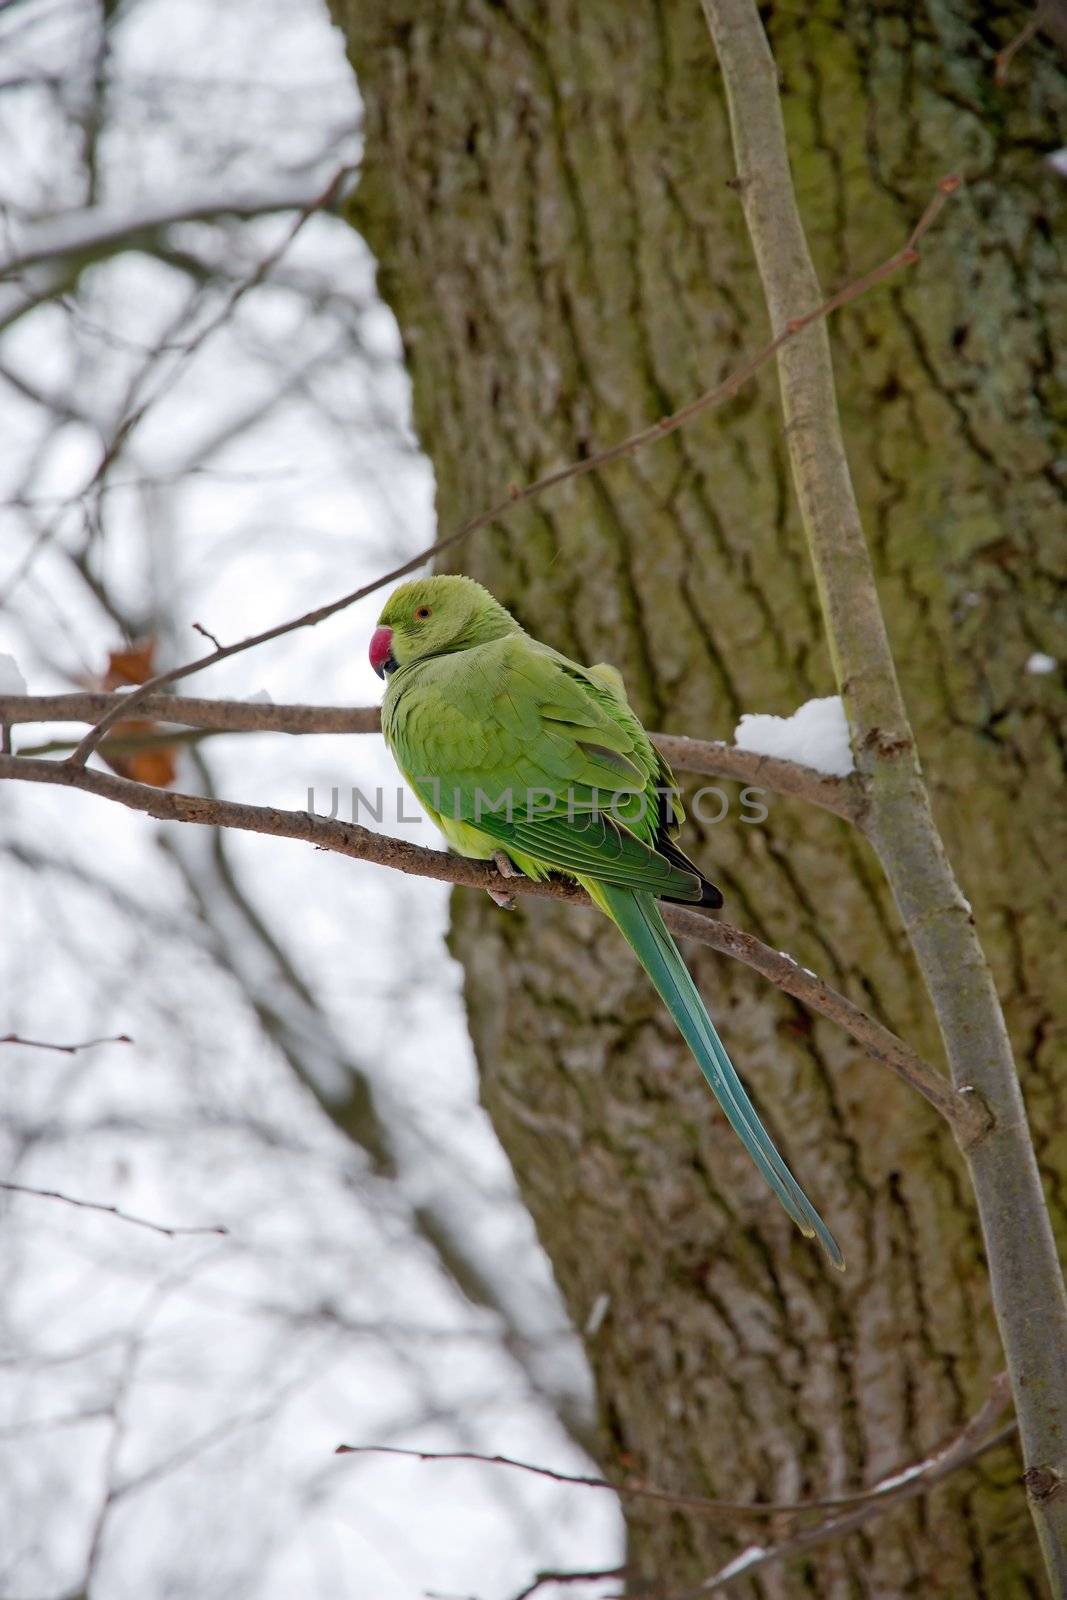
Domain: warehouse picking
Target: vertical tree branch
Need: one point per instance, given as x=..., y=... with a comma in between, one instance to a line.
x=1025, y=1274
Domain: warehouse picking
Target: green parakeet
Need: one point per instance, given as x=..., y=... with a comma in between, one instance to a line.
x=522, y=756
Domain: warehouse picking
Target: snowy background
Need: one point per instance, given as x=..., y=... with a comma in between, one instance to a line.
x=183, y=443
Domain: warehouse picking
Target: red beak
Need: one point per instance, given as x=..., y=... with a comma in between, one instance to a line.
x=381, y=651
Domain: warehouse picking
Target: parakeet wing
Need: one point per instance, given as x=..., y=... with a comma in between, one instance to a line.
x=537, y=753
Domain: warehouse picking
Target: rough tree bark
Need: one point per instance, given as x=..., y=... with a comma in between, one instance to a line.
x=547, y=190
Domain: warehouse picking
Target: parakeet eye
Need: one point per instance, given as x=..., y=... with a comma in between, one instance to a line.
x=422, y=613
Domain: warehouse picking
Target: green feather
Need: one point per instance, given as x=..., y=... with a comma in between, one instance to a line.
x=595, y=846
x=638, y=919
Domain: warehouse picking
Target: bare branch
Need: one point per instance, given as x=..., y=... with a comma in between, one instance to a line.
x=1050, y=18
x=111, y=1211
x=904, y=1484
x=517, y=496
x=229, y=716
x=727, y=1509
x=964, y=1112
x=64, y=1049
x=206, y=633
x=842, y=796
x=554, y=1575
x=101, y=230
x=541, y=1579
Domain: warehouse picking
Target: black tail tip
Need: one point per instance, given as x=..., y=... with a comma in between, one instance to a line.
x=709, y=897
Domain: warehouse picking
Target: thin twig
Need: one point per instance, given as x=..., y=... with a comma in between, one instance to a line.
x=554, y=1575
x=517, y=496
x=904, y=1484
x=205, y=633
x=963, y=1112
x=1003, y=58
x=633, y=1491
x=111, y=1211
x=64, y=1049
x=842, y=796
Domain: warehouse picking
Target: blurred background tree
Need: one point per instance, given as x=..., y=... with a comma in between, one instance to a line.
x=208, y=422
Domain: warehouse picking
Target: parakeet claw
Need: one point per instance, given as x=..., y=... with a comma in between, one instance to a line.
x=507, y=869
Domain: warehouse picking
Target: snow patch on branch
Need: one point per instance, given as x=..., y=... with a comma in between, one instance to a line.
x=747, y=1558
x=815, y=736
x=917, y=1470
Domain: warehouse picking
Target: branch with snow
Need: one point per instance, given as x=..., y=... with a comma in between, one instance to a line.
x=815, y=736
x=842, y=796
x=964, y=1112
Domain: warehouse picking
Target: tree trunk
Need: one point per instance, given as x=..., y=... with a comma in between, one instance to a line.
x=548, y=192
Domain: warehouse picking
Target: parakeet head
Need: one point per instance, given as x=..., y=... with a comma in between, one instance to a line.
x=434, y=617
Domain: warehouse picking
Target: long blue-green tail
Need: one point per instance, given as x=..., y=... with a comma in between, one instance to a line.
x=637, y=916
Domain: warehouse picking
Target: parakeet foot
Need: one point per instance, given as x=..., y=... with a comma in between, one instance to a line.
x=507, y=869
